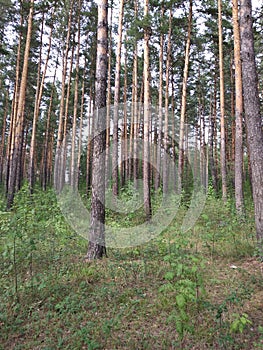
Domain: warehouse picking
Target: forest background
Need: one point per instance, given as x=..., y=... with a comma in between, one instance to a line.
x=177, y=167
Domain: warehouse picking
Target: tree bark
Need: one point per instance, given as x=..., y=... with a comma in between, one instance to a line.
x=183, y=101
x=212, y=141
x=58, y=155
x=124, y=142
x=91, y=113
x=11, y=136
x=166, y=112
x=38, y=97
x=3, y=137
x=64, y=145
x=115, y=167
x=133, y=169
x=96, y=246
x=252, y=114
x=73, y=163
x=160, y=110
x=239, y=197
x=15, y=162
x=45, y=162
x=81, y=124
x=108, y=117
x=222, y=106
x=147, y=117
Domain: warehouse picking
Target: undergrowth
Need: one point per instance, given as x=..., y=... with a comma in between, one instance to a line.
x=197, y=290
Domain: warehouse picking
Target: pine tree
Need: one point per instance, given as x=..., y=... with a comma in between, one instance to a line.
x=252, y=114
x=238, y=137
x=147, y=116
x=19, y=118
x=96, y=246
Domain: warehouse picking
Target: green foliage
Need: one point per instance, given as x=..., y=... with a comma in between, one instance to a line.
x=240, y=323
x=189, y=289
x=53, y=299
x=34, y=230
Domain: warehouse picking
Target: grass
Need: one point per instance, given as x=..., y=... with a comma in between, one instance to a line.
x=200, y=290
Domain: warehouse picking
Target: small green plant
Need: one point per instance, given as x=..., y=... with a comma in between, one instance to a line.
x=185, y=281
x=240, y=323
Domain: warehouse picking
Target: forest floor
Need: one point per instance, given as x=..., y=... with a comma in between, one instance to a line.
x=199, y=290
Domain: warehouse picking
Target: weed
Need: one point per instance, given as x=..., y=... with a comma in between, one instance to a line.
x=176, y=291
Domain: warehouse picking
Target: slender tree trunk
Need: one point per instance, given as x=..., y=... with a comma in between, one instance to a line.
x=202, y=144
x=3, y=137
x=81, y=123
x=222, y=106
x=174, y=170
x=239, y=114
x=73, y=163
x=65, y=137
x=160, y=110
x=20, y=155
x=115, y=167
x=31, y=165
x=91, y=114
x=211, y=144
x=183, y=102
x=233, y=124
x=50, y=158
x=88, y=153
x=58, y=171
x=215, y=133
x=44, y=176
x=108, y=118
x=20, y=114
x=23, y=162
x=124, y=143
x=155, y=150
x=96, y=246
x=11, y=136
x=203, y=148
x=252, y=114
x=38, y=97
x=166, y=114
x=90, y=143
x=134, y=129
x=147, y=117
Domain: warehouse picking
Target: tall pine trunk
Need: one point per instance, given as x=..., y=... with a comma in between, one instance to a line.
x=252, y=114
x=45, y=161
x=222, y=106
x=239, y=197
x=147, y=117
x=115, y=167
x=15, y=163
x=124, y=142
x=108, y=117
x=183, y=101
x=96, y=246
x=81, y=124
x=58, y=167
x=133, y=168
x=160, y=111
x=3, y=137
x=73, y=160
x=166, y=113
x=38, y=97
x=11, y=135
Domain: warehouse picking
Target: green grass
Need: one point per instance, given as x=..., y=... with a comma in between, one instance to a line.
x=179, y=291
